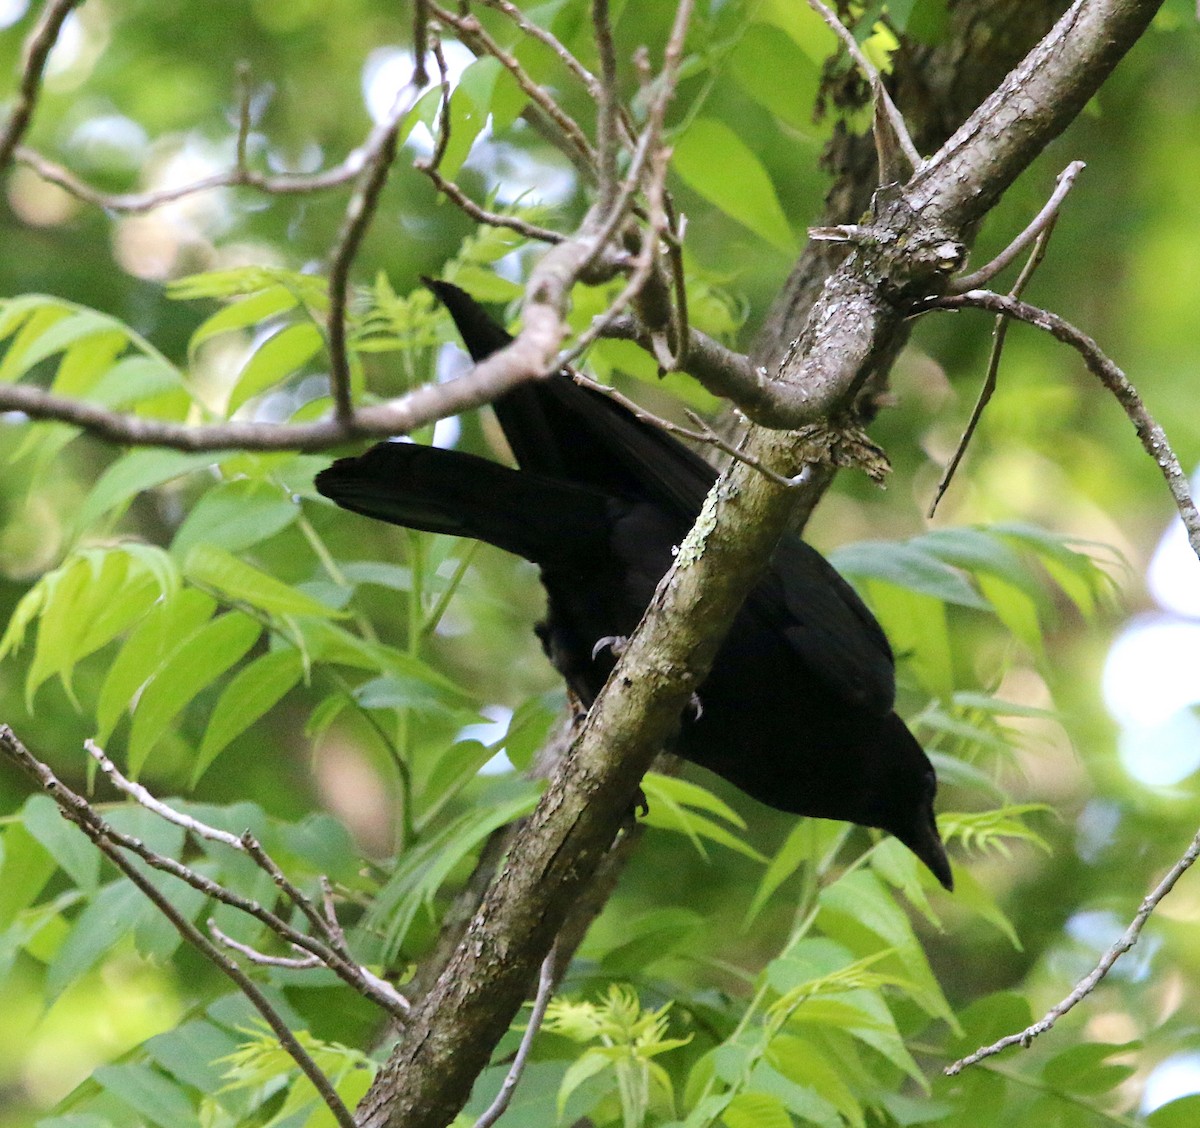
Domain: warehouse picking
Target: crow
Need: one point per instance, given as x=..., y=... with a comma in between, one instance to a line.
x=797, y=710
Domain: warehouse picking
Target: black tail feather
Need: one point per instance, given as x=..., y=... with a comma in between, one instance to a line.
x=447, y=491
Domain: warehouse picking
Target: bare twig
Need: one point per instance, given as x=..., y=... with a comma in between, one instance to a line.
x=292, y=963
x=504, y=1097
x=113, y=845
x=1089, y=982
x=882, y=97
x=481, y=215
x=702, y=434
x=1040, y=222
x=37, y=50
x=244, y=98
x=380, y=154
x=331, y=952
x=137, y=203
x=606, y=108
x=423, y=405
x=472, y=32
x=442, y=141
x=999, y=334
x=528, y=27
x=1153, y=438
x=420, y=41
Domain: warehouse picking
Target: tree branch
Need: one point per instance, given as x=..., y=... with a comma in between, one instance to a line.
x=1092, y=980
x=449, y=1038
x=37, y=50
x=77, y=809
x=1153, y=438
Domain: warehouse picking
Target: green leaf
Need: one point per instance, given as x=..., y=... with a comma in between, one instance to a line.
x=1181, y=1113
x=59, y=334
x=102, y=593
x=906, y=565
x=249, y=695
x=808, y=1084
x=203, y=658
x=857, y=911
x=669, y=812
x=422, y=870
x=84, y=361
x=192, y=1053
x=469, y=108
x=234, y=516
x=102, y=925
x=717, y=163
x=278, y=357
x=756, y=1110
x=1085, y=1069
x=691, y=795
x=243, y=313
x=42, y=315
x=1015, y=609
x=239, y=582
x=155, y=637
x=651, y=937
x=584, y=1068
x=152, y=1094
x=803, y=26
x=133, y=474
x=134, y=379
x=797, y=849
x=63, y=840
x=764, y=53
x=916, y=627
x=26, y=868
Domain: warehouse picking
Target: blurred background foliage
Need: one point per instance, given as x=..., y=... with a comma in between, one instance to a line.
x=143, y=95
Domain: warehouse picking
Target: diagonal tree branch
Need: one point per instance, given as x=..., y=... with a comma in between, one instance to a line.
x=428, y=1076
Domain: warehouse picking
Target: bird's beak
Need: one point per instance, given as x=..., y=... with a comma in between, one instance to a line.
x=926, y=843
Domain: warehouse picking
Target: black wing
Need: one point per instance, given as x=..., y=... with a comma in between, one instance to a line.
x=561, y=429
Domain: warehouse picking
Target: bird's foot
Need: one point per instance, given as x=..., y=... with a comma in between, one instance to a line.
x=615, y=643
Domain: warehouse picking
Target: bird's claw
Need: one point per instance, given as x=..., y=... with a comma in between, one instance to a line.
x=615, y=643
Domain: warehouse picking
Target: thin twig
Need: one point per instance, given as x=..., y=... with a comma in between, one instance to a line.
x=332, y=954
x=472, y=32
x=999, y=334
x=37, y=50
x=113, y=844
x=882, y=97
x=1153, y=438
x=244, y=99
x=292, y=963
x=676, y=225
x=442, y=141
x=590, y=82
x=423, y=405
x=606, y=108
x=420, y=42
x=360, y=210
x=503, y=1098
x=463, y=202
x=1089, y=982
x=1040, y=222
x=703, y=434
x=137, y=203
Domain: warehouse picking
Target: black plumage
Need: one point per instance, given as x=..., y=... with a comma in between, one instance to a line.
x=797, y=709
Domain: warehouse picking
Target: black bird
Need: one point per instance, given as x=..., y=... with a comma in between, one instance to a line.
x=797, y=709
